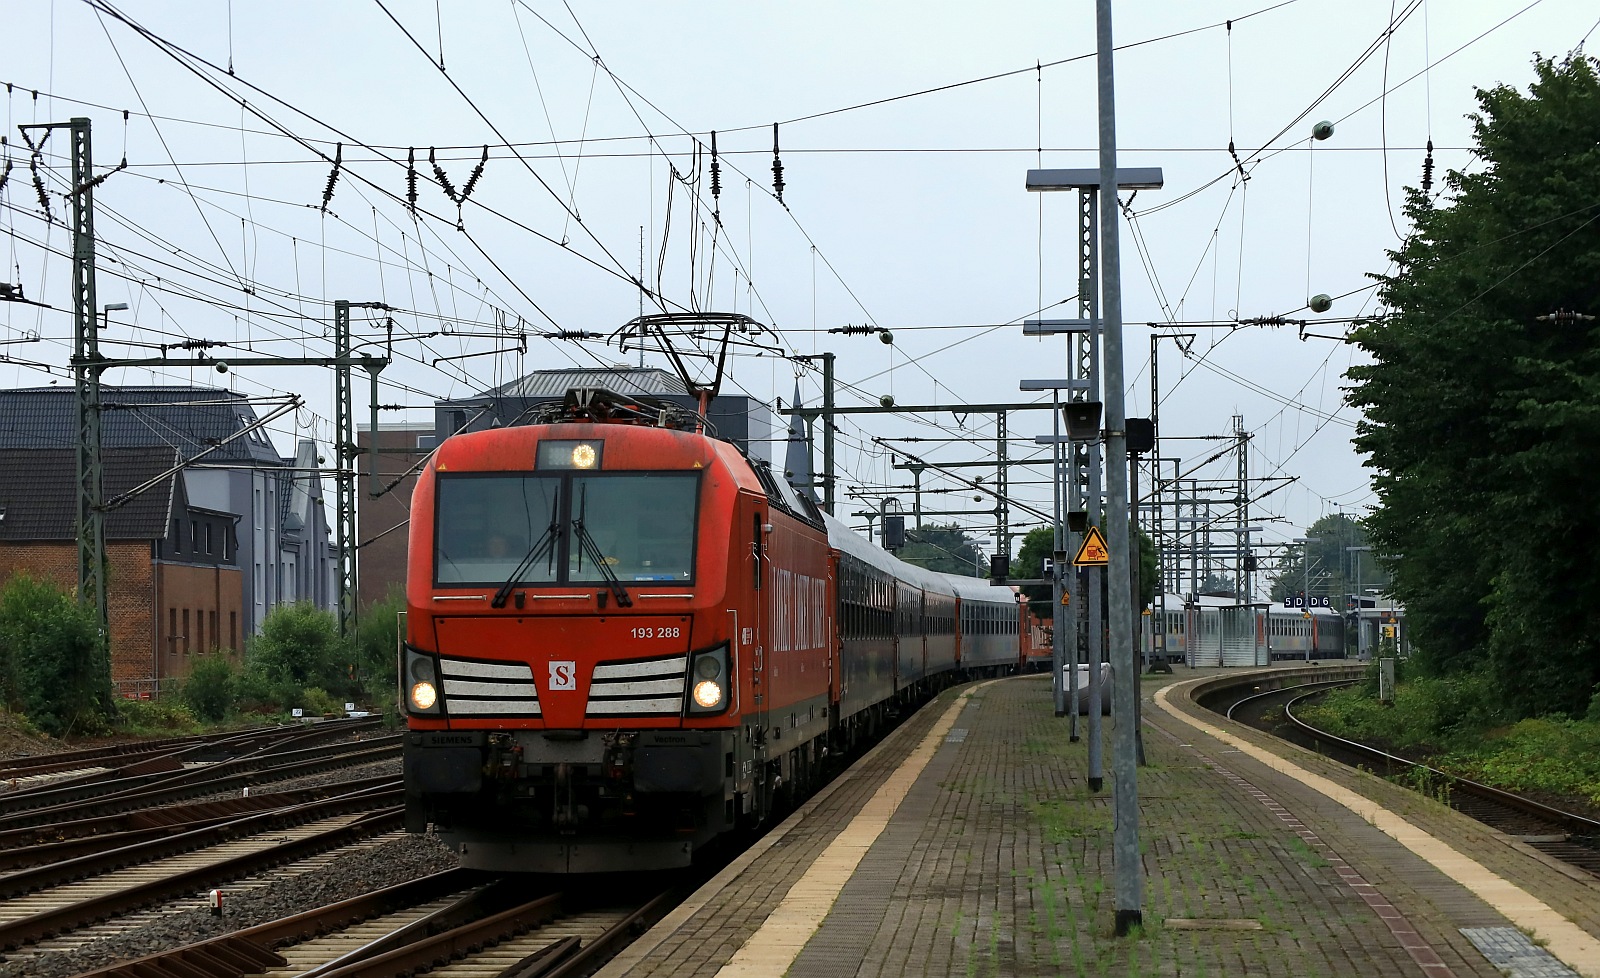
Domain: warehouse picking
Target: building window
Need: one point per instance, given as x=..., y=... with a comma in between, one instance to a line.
x=172, y=631
x=186, y=631
x=214, y=642
x=200, y=629
x=209, y=548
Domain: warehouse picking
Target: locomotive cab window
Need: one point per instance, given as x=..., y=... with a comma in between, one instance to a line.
x=564, y=527
x=641, y=524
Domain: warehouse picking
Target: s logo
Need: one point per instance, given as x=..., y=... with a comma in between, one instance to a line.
x=563, y=675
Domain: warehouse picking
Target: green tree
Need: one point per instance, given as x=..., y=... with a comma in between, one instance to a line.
x=1333, y=565
x=298, y=658
x=377, y=645
x=1038, y=544
x=210, y=688
x=53, y=658
x=1482, y=420
x=946, y=549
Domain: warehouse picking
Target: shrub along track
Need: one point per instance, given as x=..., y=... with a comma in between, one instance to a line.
x=1562, y=835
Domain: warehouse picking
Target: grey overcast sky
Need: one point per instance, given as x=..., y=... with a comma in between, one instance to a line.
x=905, y=133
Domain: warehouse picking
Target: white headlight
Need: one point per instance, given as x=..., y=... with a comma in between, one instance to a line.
x=423, y=696
x=707, y=694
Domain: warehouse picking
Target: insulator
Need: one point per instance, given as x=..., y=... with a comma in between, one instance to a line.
x=333, y=178
x=444, y=181
x=411, y=179
x=777, y=166
x=1427, y=169
x=477, y=171
x=716, y=169
x=38, y=186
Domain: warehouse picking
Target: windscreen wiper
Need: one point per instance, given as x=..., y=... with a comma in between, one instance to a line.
x=544, y=545
x=586, y=545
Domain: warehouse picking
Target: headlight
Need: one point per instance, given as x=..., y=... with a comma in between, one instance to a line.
x=708, y=678
x=421, y=683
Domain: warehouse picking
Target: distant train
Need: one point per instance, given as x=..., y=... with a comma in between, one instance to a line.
x=1219, y=632
x=625, y=639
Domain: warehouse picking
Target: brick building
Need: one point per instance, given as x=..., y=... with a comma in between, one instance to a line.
x=173, y=581
x=283, y=549
x=382, y=523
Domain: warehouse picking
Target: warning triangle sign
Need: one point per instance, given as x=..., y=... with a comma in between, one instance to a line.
x=1094, y=552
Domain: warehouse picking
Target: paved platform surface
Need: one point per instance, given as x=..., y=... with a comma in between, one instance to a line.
x=969, y=844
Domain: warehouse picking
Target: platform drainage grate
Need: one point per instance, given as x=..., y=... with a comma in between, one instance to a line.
x=956, y=735
x=1511, y=951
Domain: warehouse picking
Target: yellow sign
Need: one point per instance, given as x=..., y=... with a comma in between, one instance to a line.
x=1390, y=630
x=1093, y=552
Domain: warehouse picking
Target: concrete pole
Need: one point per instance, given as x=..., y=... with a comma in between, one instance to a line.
x=1125, y=845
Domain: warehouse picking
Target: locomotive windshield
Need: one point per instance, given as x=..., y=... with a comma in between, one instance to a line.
x=503, y=530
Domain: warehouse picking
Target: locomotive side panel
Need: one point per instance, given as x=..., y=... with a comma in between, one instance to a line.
x=798, y=596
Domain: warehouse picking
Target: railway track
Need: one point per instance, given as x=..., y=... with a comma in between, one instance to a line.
x=1562, y=835
x=456, y=924
x=111, y=796
x=87, y=766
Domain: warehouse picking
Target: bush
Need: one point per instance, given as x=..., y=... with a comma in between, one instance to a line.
x=299, y=648
x=1428, y=713
x=210, y=689
x=53, y=662
x=320, y=703
x=377, y=647
x=1540, y=754
x=163, y=717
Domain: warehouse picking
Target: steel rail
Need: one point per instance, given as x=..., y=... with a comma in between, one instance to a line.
x=252, y=949
x=124, y=760
x=602, y=948
x=64, y=840
x=37, y=878
x=227, y=776
x=48, y=923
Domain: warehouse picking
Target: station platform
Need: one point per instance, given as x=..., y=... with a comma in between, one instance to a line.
x=967, y=844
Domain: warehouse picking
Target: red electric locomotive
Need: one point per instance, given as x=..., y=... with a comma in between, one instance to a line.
x=624, y=638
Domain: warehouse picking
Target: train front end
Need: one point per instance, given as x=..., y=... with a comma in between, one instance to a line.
x=570, y=659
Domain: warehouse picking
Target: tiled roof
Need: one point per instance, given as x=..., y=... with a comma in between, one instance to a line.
x=39, y=495
x=183, y=419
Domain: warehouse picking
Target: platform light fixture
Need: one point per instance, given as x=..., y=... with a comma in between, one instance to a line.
x=1083, y=420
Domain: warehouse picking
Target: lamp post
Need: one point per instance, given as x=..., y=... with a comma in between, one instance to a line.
x=1305, y=557
x=107, y=310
